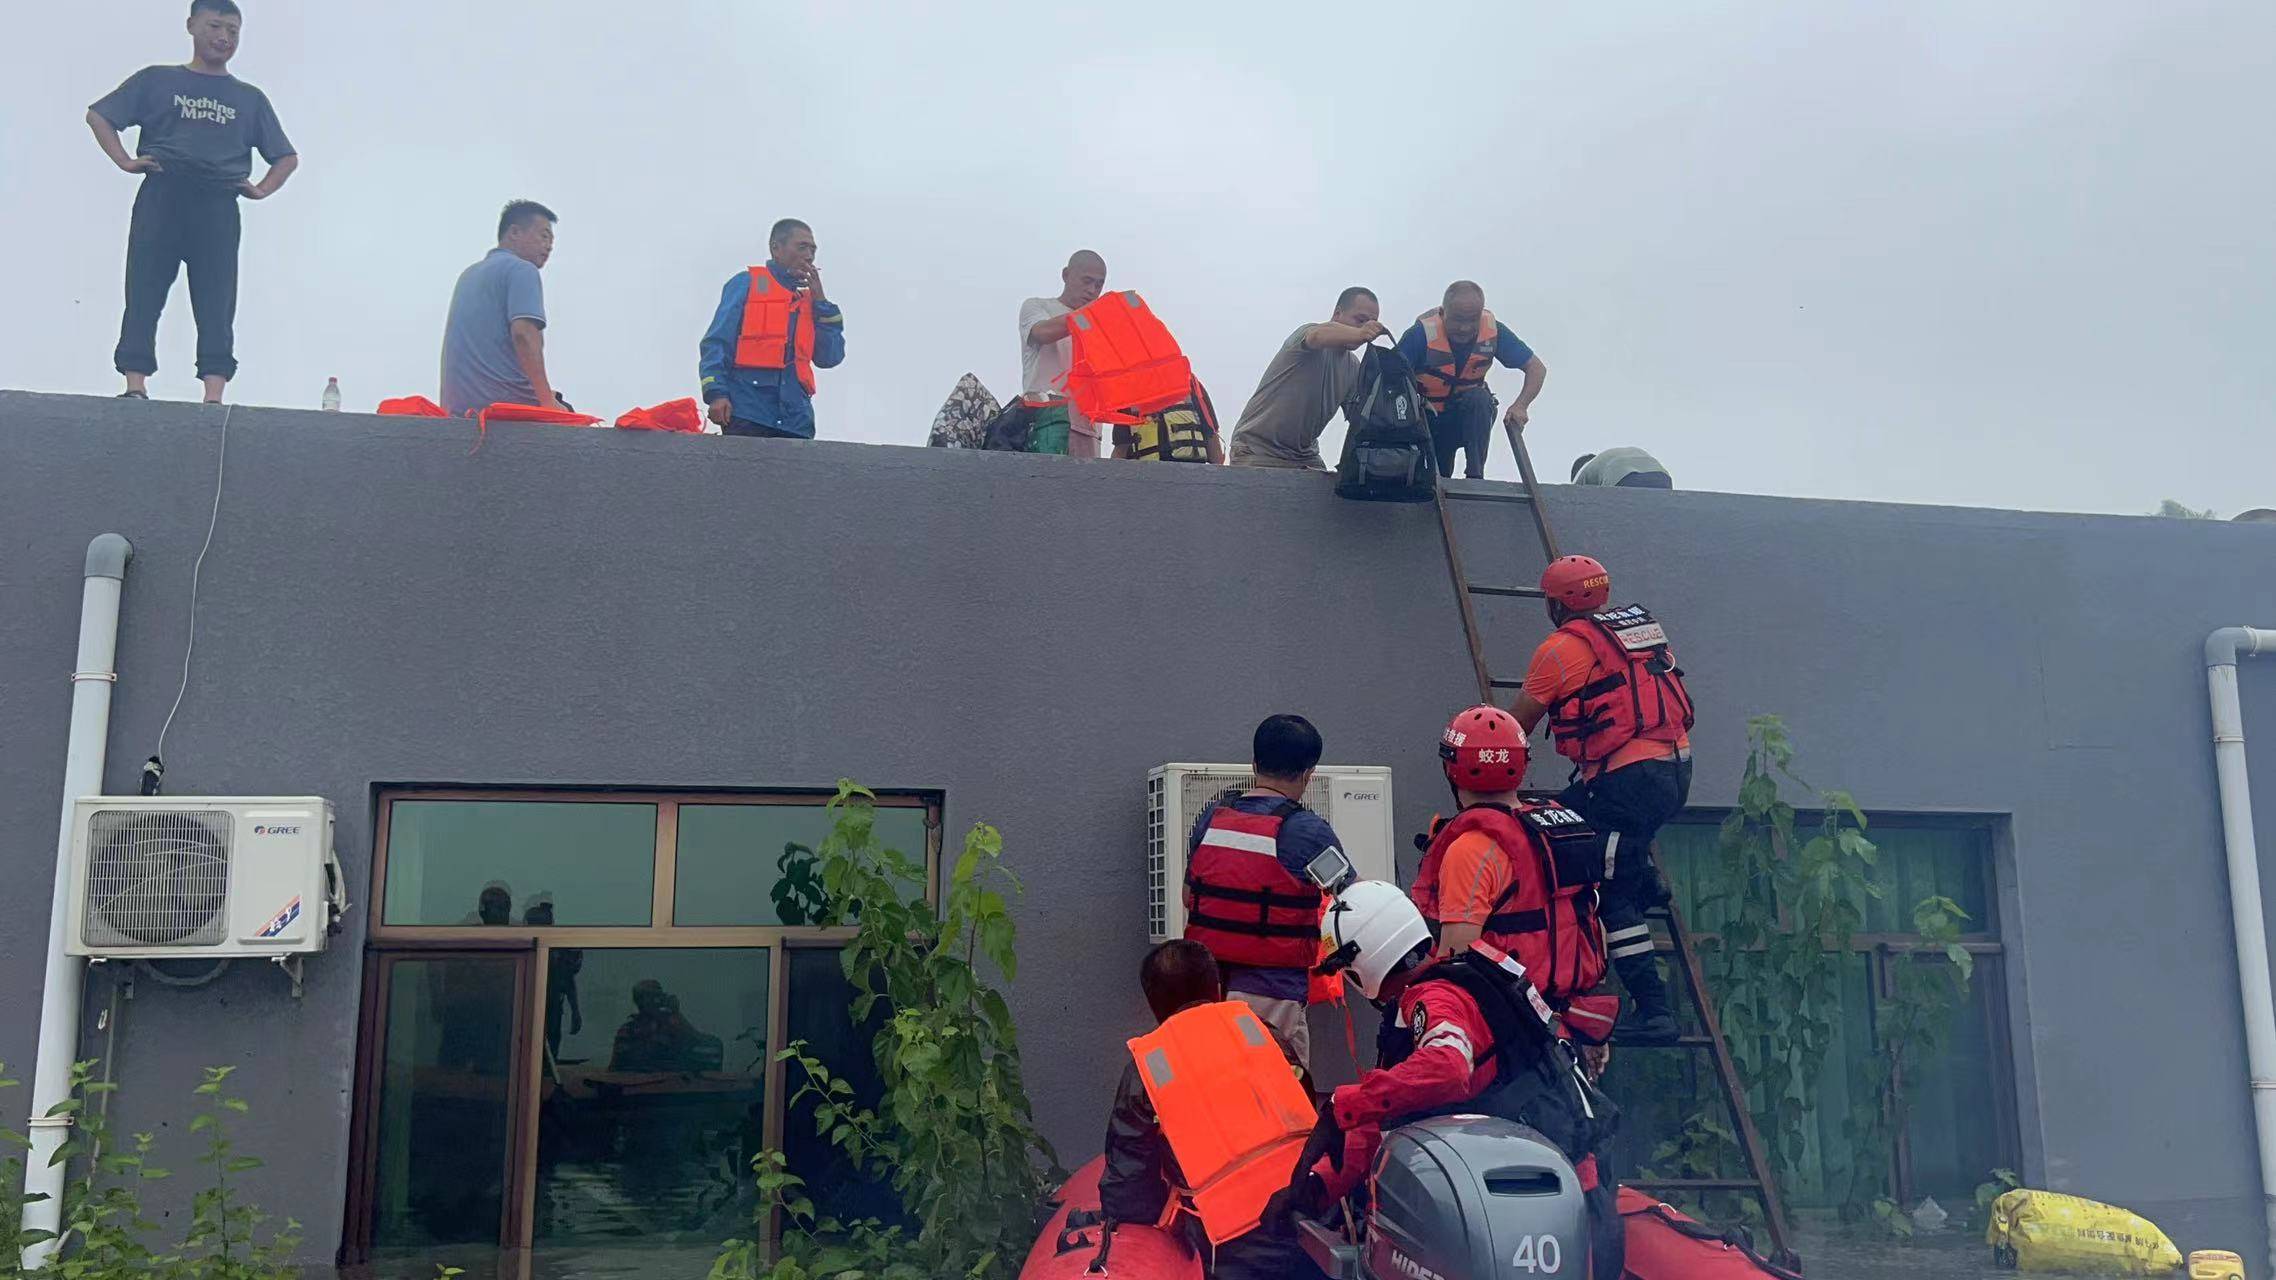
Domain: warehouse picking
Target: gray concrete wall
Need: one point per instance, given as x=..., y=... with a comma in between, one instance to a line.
x=383, y=603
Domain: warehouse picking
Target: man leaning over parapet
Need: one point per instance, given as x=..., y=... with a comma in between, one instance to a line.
x=1450, y=348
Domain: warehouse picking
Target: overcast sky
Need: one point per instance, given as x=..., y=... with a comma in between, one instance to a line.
x=2013, y=254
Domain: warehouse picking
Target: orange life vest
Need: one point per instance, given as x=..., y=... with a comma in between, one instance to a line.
x=1232, y=1110
x=1441, y=377
x=1634, y=688
x=1124, y=365
x=1547, y=917
x=778, y=329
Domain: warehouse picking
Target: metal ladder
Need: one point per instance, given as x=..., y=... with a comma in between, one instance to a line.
x=1762, y=1182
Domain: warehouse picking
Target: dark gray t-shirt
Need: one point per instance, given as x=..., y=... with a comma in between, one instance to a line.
x=1300, y=391
x=480, y=368
x=197, y=126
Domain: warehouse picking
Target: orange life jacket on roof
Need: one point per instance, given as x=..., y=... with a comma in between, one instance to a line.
x=1241, y=903
x=1547, y=917
x=1232, y=1110
x=778, y=329
x=1441, y=377
x=1634, y=688
x=1124, y=364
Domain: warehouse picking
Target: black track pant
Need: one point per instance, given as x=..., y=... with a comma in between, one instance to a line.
x=1467, y=426
x=1634, y=803
x=178, y=222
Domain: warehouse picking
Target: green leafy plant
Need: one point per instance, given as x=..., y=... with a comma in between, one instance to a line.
x=797, y=893
x=1704, y=1148
x=1926, y=982
x=12, y=1170
x=108, y=1235
x=223, y=1241
x=953, y=1134
x=1988, y=1192
x=105, y=1233
x=1790, y=908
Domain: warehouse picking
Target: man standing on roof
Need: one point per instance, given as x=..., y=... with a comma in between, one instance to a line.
x=494, y=338
x=199, y=126
x=1247, y=894
x=774, y=327
x=1607, y=683
x=1046, y=352
x=1307, y=380
x=1450, y=348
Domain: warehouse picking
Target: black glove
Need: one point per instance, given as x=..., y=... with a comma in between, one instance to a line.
x=1301, y=1195
x=1326, y=1140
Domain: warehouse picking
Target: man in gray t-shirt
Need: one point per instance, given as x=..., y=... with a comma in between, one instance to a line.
x=494, y=341
x=196, y=129
x=1309, y=378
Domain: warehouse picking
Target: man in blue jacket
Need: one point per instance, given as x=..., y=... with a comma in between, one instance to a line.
x=774, y=327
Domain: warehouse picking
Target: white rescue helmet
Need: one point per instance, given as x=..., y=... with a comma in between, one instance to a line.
x=1373, y=931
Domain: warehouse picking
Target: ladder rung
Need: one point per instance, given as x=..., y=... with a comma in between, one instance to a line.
x=1697, y=1184
x=1506, y=684
x=1530, y=593
x=1486, y=495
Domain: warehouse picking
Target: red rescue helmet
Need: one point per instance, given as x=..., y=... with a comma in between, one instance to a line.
x=1483, y=749
x=1577, y=582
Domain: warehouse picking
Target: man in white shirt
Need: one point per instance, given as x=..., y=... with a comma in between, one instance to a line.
x=1046, y=352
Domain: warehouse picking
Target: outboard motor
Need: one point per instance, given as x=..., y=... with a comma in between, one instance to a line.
x=1464, y=1198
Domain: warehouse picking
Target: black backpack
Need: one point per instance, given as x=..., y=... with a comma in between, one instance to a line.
x=1010, y=429
x=1386, y=452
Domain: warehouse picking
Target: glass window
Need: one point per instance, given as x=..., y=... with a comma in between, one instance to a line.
x=444, y=1090
x=653, y=1099
x=1949, y=1129
x=474, y=862
x=1956, y=1131
x=820, y=1012
x=753, y=864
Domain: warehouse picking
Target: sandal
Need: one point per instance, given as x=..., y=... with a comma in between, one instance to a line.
x=134, y=395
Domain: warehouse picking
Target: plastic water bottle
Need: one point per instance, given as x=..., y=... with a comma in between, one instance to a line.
x=331, y=395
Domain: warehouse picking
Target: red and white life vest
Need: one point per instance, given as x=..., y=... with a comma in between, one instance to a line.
x=1634, y=688
x=1547, y=916
x=1241, y=903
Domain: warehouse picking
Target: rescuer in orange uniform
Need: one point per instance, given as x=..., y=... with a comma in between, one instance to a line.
x=1208, y=1122
x=773, y=329
x=1615, y=701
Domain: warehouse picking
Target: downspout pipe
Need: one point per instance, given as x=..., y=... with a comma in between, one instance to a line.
x=2222, y=649
x=92, y=678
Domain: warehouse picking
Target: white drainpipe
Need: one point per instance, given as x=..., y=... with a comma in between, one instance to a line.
x=91, y=681
x=2222, y=649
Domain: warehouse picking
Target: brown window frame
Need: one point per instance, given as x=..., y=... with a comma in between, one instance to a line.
x=530, y=945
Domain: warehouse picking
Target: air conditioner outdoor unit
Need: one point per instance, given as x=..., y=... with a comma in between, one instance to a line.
x=1354, y=798
x=159, y=877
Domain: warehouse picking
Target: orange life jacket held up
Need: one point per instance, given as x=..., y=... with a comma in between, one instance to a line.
x=1125, y=365
x=1634, y=688
x=1232, y=1110
x=1441, y=376
x=1547, y=917
x=778, y=329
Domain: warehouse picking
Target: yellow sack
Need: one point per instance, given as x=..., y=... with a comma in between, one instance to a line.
x=2049, y=1231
